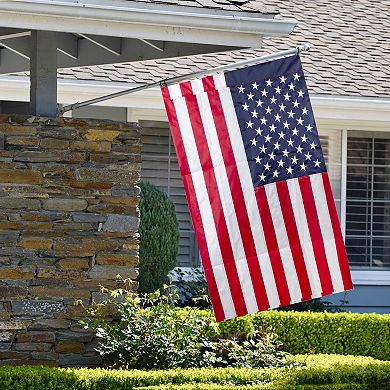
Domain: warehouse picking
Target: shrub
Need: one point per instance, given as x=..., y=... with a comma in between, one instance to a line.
x=159, y=237
x=150, y=331
x=319, y=372
x=305, y=332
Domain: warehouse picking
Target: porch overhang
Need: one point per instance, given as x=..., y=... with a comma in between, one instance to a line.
x=128, y=19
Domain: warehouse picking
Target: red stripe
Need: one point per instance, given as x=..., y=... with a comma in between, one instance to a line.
x=315, y=234
x=340, y=247
x=272, y=246
x=293, y=239
x=193, y=206
x=215, y=200
x=237, y=195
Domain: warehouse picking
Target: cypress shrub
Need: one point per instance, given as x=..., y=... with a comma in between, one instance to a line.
x=159, y=237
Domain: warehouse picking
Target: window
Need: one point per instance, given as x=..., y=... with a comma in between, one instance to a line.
x=368, y=199
x=160, y=167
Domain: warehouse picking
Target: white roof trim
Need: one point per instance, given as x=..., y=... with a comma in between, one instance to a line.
x=346, y=111
x=143, y=21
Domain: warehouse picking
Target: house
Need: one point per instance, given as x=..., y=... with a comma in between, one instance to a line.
x=348, y=75
x=68, y=194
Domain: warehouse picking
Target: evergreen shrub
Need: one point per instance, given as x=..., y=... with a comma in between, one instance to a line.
x=364, y=334
x=159, y=237
x=318, y=372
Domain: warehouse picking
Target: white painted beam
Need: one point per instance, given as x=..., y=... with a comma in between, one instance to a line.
x=68, y=44
x=148, y=21
x=110, y=44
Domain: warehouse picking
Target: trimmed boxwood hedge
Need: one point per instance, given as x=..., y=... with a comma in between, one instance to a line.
x=325, y=371
x=330, y=333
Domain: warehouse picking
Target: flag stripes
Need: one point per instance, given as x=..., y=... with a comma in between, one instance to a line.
x=261, y=247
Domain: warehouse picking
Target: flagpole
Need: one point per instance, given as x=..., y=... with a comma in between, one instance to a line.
x=172, y=80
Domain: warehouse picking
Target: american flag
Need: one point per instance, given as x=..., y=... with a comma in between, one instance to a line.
x=257, y=188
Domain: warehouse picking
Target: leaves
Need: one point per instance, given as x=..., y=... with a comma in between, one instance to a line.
x=151, y=332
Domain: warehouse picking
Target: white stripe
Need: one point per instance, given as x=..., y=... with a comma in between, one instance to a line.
x=304, y=237
x=283, y=243
x=248, y=190
x=225, y=196
x=327, y=231
x=203, y=203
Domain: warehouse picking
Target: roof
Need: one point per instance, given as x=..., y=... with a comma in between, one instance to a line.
x=350, y=53
x=227, y=5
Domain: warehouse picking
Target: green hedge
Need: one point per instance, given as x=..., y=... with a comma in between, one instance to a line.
x=329, y=333
x=325, y=371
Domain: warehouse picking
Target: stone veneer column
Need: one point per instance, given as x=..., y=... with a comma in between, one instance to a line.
x=68, y=222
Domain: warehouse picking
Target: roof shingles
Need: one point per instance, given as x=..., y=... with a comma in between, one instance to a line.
x=350, y=52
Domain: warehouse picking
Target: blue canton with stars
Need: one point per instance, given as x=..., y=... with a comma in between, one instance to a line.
x=276, y=121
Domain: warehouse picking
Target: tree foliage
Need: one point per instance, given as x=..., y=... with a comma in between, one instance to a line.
x=159, y=237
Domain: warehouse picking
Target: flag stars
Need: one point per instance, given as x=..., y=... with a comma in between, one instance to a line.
x=241, y=89
x=277, y=90
x=253, y=142
x=300, y=121
x=304, y=111
x=262, y=177
x=285, y=153
x=245, y=107
x=290, y=142
x=263, y=149
x=277, y=145
x=303, y=167
x=281, y=135
x=296, y=76
x=259, y=131
x=267, y=167
x=272, y=128
x=286, y=96
x=259, y=103
x=317, y=163
x=269, y=82
x=294, y=160
x=264, y=92
x=276, y=173
x=313, y=145
x=304, y=138
x=263, y=120
x=283, y=80
x=267, y=138
x=289, y=170
x=255, y=85
x=295, y=131
x=291, y=114
x=268, y=110
x=299, y=149
x=271, y=156
x=308, y=156
x=309, y=128
x=296, y=103
x=281, y=163
x=273, y=100
x=286, y=125
x=277, y=117
x=282, y=107
x=300, y=93
x=258, y=160
x=291, y=87
x=254, y=114
x=250, y=96
x=249, y=124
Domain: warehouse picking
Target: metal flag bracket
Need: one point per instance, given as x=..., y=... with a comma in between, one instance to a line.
x=251, y=61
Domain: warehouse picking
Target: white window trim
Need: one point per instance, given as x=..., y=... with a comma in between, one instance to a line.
x=370, y=277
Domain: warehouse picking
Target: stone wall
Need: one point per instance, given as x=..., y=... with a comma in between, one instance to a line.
x=68, y=222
